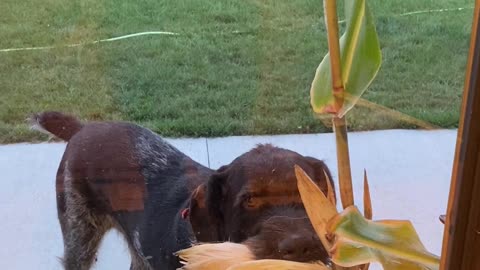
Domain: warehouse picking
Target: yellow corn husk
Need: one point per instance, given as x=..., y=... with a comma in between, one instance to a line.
x=218, y=256
x=278, y=265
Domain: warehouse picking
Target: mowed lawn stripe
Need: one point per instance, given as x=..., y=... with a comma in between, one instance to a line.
x=236, y=67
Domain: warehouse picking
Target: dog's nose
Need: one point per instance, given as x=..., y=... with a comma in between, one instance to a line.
x=299, y=247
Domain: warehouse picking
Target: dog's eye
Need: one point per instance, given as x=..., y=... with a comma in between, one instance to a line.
x=249, y=201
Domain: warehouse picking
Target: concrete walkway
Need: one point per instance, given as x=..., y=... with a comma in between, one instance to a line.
x=409, y=173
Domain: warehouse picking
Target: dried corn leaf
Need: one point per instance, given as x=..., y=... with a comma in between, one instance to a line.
x=330, y=191
x=367, y=200
x=314, y=200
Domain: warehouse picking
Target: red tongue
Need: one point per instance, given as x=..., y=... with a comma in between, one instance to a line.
x=185, y=213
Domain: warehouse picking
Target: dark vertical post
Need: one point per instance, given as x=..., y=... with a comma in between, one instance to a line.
x=461, y=242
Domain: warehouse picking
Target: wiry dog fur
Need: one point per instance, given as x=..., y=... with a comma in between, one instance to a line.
x=122, y=176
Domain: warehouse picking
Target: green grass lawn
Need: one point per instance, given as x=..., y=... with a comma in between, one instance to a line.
x=237, y=67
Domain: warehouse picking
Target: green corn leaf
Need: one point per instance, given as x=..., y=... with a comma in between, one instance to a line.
x=360, y=59
x=394, y=244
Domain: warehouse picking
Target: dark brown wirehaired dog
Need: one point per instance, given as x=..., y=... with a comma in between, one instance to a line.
x=120, y=175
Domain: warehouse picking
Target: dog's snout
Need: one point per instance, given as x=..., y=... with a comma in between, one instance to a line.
x=298, y=247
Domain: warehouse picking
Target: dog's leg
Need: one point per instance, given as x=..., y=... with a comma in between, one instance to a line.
x=82, y=232
x=139, y=265
x=82, y=227
x=139, y=262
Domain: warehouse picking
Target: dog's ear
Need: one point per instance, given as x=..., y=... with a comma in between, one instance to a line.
x=206, y=209
x=322, y=175
x=204, y=227
x=216, y=198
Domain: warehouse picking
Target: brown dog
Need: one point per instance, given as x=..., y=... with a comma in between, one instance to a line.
x=119, y=175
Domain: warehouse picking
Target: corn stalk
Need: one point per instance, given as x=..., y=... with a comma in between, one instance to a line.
x=337, y=78
x=344, y=74
x=339, y=123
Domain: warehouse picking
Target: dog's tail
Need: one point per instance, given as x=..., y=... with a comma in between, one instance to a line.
x=57, y=124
